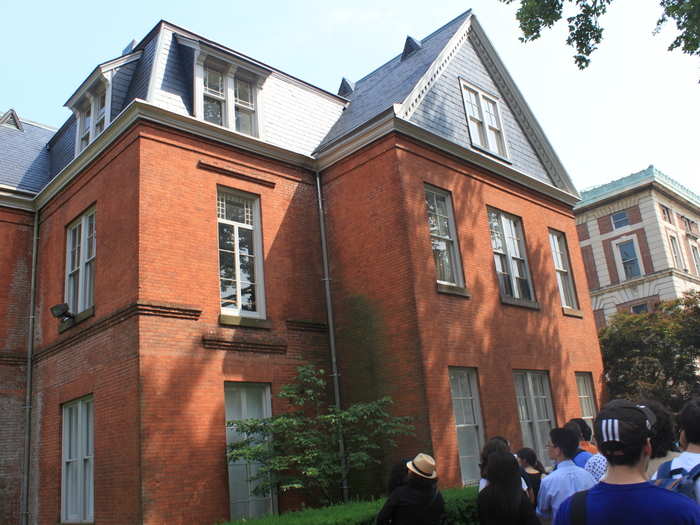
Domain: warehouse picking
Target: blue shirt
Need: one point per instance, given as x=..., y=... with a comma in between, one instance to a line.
x=559, y=485
x=634, y=504
x=581, y=458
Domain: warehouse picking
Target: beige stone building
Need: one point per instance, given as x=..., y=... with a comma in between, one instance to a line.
x=640, y=242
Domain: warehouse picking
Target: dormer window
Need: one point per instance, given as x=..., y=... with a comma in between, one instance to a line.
x=245, y=107
x=484, y=120
x=85, y=125
x=214, y=96
x=100, y=115
x=92, y=116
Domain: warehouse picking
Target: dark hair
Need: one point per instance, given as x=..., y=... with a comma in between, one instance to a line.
x=689, y=420
x=496, y=444
x=664, y=429
x=530, y=458
x=618, y=454
x=420, y=483
x=573, y=426
x=502, y=497
x=398, y=475
x=502, y=440
x=566, y=440
x=586, y=431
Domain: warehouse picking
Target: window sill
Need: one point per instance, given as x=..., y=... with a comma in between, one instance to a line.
x=70, y=323
x=491, y=153
x=452, y=289
x=523, y=303
x=572, y=312
x=245, y=322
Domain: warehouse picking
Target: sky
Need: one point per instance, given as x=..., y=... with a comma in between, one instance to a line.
x=637, y=104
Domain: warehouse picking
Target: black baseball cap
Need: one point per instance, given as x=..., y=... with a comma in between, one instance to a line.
x=622, y=423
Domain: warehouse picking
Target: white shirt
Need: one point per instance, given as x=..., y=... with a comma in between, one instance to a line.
x=686, y=460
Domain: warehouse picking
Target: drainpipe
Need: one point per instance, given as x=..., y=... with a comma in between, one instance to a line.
x=24, y=505
x=331, y=333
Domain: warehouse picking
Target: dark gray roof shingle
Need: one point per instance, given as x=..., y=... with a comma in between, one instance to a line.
x=391, y=83
x=24, y=159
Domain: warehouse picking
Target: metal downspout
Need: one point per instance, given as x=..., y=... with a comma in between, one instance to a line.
x=331, y=332
x=24, y=505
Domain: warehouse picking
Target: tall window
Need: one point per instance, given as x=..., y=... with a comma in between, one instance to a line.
x=214, y=96
x=240, y=251
x=688, y=225
x=85, y=125
x=465, y=405
x=666, y=213
x=100, y=104
x=92, y=115
x=676, y=252
x=534, y=409
x=442, y=236
x=696, y=257
x=245, y=106
x=77, y=493
x=80, y=263
x=509, y=255
x=246, y=401
x=557, y=241
x=484, y=120
x=629, y=259
x=620, y=219
x=586, y=398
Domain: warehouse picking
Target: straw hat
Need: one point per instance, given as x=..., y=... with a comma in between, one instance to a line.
x=423, y=465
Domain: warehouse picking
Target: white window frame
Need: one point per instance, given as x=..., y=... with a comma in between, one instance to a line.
x=258, y=254
x=80, y=266
x=695, y=252
x=586, y=397
x=219, y=96
x=618, y=257
x=508, y=259
x=676, y=252
x=626, y=219
x=477, y=122
x=461, y=403
x=450, y=240
x=248, y=498
x=248, y=107
x=90, y=103
x=536, y=423
x=78, y=455
x=562, y=268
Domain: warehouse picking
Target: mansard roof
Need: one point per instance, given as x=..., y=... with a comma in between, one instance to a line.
x=24, y=163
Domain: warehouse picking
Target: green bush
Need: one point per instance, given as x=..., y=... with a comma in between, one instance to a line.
x=460, y=504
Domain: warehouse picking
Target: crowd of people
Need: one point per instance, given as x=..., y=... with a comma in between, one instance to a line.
x=633, y=468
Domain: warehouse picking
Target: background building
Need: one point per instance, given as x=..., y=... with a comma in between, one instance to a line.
x=639, y=240
x=176, y=213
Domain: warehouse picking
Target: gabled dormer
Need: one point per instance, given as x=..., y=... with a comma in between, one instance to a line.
x=92, y=101
x=11, y=120
x=225, y=87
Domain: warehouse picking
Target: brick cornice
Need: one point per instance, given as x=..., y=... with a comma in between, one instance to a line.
x=12, y=360
x=306, y=326
x=148, y=308
x=218, y=343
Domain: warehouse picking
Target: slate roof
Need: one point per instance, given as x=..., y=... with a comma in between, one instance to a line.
x=391, y=83
x=24, y=163
x=651, y=174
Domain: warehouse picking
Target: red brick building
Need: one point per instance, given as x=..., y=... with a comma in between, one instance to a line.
x=176, y=214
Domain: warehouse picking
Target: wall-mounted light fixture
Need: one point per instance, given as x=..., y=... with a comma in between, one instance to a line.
x=62, y=312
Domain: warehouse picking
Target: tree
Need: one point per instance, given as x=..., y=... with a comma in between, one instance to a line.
x=585, y=31
x=299, y=449
x=654, y=355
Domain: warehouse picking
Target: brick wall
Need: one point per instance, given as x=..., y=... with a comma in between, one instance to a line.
x=16, y=229
x=404, y=335
x=589, y=265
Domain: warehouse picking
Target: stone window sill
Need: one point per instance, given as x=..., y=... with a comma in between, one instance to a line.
x=572, y=312
x=522, y=303
x=451, y=289
x=244, y=322
x=70, y=323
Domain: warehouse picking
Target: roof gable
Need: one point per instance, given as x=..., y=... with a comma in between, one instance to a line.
x=11, y=119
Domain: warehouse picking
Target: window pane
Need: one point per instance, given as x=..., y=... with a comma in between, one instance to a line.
x=226, y=241
x=247, y=270
x=248, y=297
x=631, y=269
x=620, y=219
x=239, y=209
x=244, y=121
x=228, y=294
x=244, y=92
x=245, y=242
x=213, y=111
x=227, y=269
x=88, y=284
x=213, y=81
x=443, y=262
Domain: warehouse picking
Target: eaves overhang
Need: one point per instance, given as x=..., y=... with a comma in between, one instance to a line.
x=389, y=122
x=14, y=198
x=140, y=110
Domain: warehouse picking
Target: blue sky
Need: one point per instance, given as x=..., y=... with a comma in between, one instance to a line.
x=637, y=104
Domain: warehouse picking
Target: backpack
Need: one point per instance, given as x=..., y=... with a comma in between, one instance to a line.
x=685, y=484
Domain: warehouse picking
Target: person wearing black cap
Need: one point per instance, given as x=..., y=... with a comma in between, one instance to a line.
x=622, y=432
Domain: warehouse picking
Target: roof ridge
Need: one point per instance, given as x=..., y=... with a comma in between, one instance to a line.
x=422, y=41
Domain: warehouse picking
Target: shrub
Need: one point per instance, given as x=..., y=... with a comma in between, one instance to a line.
x=460, y=504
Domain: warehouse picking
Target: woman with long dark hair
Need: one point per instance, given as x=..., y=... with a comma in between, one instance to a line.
x=533, y=469
x=503, y=501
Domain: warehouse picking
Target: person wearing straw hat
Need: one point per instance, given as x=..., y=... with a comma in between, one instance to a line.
x=418, y=502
